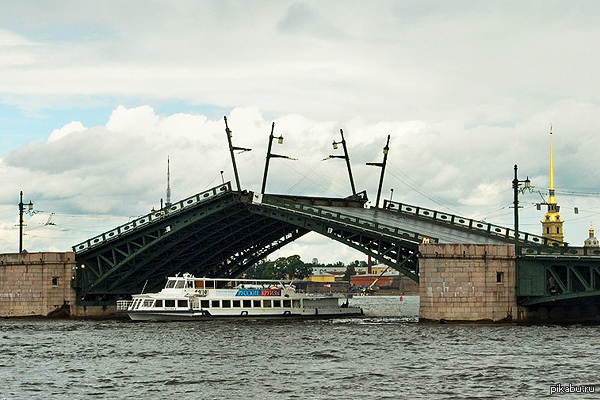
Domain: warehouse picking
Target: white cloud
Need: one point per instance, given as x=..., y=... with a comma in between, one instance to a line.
x=119, y=169
x=465, y=91
x=389, y=61
x=57, y=134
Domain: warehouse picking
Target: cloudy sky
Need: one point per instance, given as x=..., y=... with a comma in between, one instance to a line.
x=94, y=96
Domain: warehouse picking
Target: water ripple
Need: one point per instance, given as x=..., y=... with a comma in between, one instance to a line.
x=384, y=358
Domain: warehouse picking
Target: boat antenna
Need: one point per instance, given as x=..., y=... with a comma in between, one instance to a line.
x=168, y=183
x=144, y=288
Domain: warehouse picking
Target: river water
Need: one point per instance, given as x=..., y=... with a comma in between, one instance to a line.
x=376, y=357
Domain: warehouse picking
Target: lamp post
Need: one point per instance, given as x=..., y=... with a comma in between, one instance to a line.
x=386, y=149
x=345, y=157
x=21, y=210
x=231, y=150
x=270, y=155
x=516, y=183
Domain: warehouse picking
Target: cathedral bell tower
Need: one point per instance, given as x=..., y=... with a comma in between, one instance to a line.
x=552, y=225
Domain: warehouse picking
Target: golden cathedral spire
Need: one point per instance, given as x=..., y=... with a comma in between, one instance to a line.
x=552, y=225
x=551, y=196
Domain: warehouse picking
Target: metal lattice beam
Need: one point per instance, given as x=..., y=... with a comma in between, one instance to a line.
x=551, y=279
x=388, y=245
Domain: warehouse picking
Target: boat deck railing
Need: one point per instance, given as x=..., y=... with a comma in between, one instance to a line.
x=123, y=305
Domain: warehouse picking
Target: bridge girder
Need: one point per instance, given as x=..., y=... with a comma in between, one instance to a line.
x=398, y=249
x=217, y=238
x=220, y=233
x=552, y=280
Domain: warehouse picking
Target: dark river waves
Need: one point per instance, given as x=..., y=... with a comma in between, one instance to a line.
x=372, y=358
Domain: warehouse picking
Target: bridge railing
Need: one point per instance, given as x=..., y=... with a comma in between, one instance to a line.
x=532, y=250
x=466, y=223
x=342, y=218
x=147, y=219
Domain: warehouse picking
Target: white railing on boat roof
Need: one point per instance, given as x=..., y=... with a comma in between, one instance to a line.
x=123, y=305
x=153, y=216
x=236, y=280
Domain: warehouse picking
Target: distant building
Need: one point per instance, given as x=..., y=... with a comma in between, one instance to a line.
x=591, y=241
x=321, y=276
x=384, y=270
x=552, y=225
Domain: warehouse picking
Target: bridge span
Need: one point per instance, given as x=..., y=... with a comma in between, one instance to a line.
x=222, y=232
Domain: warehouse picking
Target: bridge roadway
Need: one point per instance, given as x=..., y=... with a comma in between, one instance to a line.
x=221, y=232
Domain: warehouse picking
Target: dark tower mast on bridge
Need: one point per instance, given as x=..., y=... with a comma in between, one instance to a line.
x=231, y=150
x=168, y=204
x=386, y=149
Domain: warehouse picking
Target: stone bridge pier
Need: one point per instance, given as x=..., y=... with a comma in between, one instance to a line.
x=481, y=282
x=468, y=282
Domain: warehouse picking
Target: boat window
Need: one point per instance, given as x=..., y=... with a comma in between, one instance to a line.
x=210, y=284
x=204, y=303
x=158, y=303
x=287, y=303
x=199, y=284
x=148, y=302
x=169, y=303
x=247, y=303
x=276, y=303
x=237, y=304
x=267, y=303
x=256, y=303
x=296, y=303
x=170, y=284
x=179, y=284
x=214, y=304
x=189, y=284
x=182, y=303
x=226, y=304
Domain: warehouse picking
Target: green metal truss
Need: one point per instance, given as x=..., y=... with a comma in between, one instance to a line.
x=216, y=237
x=542, y=280
x=390, y=245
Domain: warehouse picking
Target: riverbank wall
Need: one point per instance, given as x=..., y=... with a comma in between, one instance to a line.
x=36, y=284
x=40, y=285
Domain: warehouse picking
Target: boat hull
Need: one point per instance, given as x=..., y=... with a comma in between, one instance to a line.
x=195, y=315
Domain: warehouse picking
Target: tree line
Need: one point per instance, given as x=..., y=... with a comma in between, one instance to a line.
x=293, y=267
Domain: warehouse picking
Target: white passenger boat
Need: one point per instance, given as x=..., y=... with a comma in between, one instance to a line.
x=187, y=298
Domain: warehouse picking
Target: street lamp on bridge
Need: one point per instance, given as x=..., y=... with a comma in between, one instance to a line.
x=21, y=210
x=518, y=186
x=382, y=164
x=232, y=148
x=270, y=155
x=345, y=157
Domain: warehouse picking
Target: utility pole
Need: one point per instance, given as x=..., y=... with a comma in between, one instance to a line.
x=516, y=190
x=21, y=210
